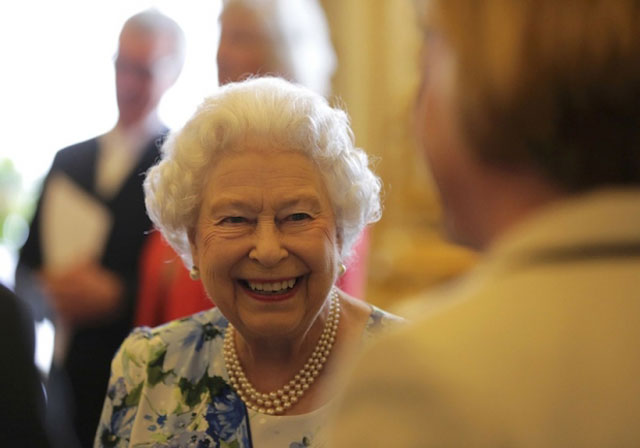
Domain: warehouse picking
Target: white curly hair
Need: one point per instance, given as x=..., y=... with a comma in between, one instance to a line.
x=274, y=110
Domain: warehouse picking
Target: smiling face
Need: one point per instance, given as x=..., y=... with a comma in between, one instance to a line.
x=266, y=242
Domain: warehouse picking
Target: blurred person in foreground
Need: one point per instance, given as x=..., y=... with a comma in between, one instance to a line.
x=530, y=123
x=263, y=195
x=92, y=295
x=21, y=393
x=287, y=38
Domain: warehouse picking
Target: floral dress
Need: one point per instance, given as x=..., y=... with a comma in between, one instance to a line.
x=169, y=388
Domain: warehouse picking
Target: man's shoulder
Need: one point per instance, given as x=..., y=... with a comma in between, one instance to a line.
x=83, y=145
x=76, y=152
x=395, y=352
x=435, y=320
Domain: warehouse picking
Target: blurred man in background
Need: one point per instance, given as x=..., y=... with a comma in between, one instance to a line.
x=90, y=224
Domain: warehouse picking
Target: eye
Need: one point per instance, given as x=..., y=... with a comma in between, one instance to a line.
x=234, y=220
x=298, y=217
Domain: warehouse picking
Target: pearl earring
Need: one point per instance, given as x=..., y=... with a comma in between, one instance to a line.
x=194, y=273
x=342, y=269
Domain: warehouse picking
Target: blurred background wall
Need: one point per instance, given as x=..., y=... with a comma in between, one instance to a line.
x=57, y=88
x=377, y=43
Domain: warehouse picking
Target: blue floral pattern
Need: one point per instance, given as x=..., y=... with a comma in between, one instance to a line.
x=169, y=388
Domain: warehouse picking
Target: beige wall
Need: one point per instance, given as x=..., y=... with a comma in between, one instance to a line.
x=377, y=44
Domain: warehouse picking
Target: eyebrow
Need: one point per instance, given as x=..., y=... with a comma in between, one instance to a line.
x=240, y=203
x=229, y=201
x=301, y=198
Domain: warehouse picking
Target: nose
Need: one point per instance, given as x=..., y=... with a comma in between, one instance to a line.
x=267, y=248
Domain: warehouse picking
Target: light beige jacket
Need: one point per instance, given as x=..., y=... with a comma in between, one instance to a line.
x=538, y=347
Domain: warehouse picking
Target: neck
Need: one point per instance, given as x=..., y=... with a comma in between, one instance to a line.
x=145, y=123
x=275, y=384
x=260, y=353
x=285, y=353
x=500, y=200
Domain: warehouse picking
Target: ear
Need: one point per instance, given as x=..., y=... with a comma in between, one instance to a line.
x=191, y=234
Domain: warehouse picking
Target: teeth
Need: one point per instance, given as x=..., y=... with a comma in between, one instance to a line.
x=272, y=287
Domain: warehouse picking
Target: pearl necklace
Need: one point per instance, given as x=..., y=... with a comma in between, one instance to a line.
x=275, y=403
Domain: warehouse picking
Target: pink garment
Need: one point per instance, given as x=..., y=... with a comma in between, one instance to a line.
x=353, y=281
x=166, y=290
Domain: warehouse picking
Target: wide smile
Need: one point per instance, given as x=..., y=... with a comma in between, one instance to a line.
x=271, y=290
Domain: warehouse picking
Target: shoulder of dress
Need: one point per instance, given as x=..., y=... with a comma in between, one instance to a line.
x=179, y=328
x=379, y=319
x=135, y=347
x=212, y=316
x=138, y=336
x=379, y=323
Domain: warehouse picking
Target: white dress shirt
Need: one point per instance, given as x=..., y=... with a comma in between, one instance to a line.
x=120, y=149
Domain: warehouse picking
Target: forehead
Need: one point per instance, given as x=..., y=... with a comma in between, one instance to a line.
x=266, y=170
x=239, y=17
x=144, y=45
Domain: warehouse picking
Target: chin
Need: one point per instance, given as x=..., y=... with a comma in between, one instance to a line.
x=272, y=325
x=271, y=331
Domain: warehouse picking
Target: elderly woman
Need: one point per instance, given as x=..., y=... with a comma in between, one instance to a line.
x=263, y=194
x=287, y=38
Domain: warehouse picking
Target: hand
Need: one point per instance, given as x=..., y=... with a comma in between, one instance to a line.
x=84, y=293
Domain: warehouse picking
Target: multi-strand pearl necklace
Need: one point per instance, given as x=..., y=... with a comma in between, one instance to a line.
x=275, y=403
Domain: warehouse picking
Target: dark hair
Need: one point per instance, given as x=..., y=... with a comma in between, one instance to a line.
x=549, y=84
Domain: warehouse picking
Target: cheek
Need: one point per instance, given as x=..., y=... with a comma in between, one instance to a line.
x=315, y=245
x=219, y=257
x=443, y=147
x=431, y=132
x=439, y=130
x=437, y=120
x=324, y=249
x=330, y=235
x=216, y=264
x=215, y=253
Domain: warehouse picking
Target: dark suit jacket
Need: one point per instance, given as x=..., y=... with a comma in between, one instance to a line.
x=92, y=347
